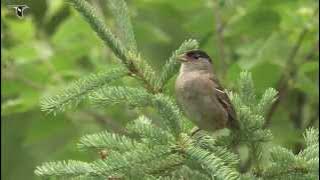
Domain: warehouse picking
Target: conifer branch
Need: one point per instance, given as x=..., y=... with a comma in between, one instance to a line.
x=130, y=59
x=136, y=97
x=187, y=173
x=269, y=96
x=125, y=164
x=171, y=66
x=214, y=165
x=148, y=132
x=208, y=143
x=171, y=115
x=165, y=152
x=101, y=29
x=77, y=91
x=69, y=168
x=120, y=12
x=246, y=89
x=109, y=141
x=305, y=165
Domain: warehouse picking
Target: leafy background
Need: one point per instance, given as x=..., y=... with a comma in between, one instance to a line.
x=277, y=41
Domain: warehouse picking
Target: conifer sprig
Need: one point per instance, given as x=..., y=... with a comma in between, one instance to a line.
x=109, y=141
x=164, y=151
x=148, y=133
x=171, y=66
x=168, y=110
x=80, y=89
x=71, y=168
x=212, y=163
x=98, y=25
x=138, y=68
x=120, y=12
x=136, y=97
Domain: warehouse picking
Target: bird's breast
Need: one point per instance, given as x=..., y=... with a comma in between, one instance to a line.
x=198, y=100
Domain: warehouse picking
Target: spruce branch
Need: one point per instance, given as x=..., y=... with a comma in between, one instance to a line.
x=125, y=164
x=187, y=173
x=148, y=133
x=69, y=168
x=101, y=29
x=246, y=89
x=171, y=66
x=166, y=151
x=171, y=115
x=108, y=141
x=214, y=165
x=166, y=165
x=120, y=12
x=311, y=136
x=136, y=97
x=77, y=91
x=143, y=71
x=250, y=112
x=285, y=164
x=130, y=59
x=269, y=96
x=208, y=143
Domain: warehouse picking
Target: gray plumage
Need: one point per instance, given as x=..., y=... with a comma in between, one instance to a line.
x=200, y=94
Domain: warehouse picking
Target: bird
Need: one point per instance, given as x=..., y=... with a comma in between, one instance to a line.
x=19, y=9
x=200, y=94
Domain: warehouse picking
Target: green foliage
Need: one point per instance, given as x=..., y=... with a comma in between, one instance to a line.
x=268, y=38
x=105, y=140
x=285, y=164
x=171, y=115
x=210, y=144
x=167, y=157
x=251, y=112
x=148, y=132
x=115, y=95
x=120, y=12
x=214, y=165
x=101, y=29
x=80, y=89
x=64, y=168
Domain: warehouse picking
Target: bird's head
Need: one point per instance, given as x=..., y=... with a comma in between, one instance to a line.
x=195, y=60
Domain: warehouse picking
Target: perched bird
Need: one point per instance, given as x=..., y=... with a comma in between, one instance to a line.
x=200, y=94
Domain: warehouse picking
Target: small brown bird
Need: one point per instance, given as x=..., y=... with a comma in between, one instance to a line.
x=200, y=94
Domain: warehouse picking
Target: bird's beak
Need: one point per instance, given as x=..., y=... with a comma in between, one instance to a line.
x=182, y=58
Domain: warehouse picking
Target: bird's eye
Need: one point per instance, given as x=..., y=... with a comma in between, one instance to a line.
x=196, y=56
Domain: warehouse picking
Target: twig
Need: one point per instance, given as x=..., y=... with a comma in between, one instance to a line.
x=291, y=170
x=298, y=113
x=290, y=72
x=219, y=34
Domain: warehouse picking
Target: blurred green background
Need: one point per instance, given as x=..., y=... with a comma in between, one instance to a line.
x=277, y=40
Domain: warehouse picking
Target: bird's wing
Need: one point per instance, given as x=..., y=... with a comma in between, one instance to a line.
x=225, y=102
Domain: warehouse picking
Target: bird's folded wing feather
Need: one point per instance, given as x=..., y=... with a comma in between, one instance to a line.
x=225, y=102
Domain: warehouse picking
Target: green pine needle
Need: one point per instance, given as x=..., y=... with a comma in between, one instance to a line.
x=98, y=25
x=171, y=66
x=77, y=91
x=214, y=165
x=120, y=12
x=69, y=168
x=136, y=97
x=106, y=140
